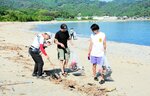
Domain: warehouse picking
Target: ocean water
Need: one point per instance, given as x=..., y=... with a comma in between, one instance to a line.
x=134, y=32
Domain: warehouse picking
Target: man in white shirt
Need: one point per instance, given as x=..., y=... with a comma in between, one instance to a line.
x=97, y=50
x=36, y=48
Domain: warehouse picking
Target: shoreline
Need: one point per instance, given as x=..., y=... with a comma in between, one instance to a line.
x=35, y=24
x=56, y=21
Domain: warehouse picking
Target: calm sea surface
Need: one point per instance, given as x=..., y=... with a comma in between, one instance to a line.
x=134, y=32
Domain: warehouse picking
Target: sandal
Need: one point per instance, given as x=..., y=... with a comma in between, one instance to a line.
x=64, y=74
x=102, y=82
x=95, y=78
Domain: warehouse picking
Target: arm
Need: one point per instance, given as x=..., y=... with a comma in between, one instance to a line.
x=90, y=47
x=42, y=49
x=58, y=43
x=104, y=44
x=41, y=42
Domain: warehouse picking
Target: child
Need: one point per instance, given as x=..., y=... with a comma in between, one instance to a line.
x=97, y=50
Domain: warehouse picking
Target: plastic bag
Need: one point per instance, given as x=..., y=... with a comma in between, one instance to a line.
x=75, y=64
x=108, y=68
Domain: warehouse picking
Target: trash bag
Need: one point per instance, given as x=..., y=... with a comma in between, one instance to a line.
x=74, y=61
x=106, y=66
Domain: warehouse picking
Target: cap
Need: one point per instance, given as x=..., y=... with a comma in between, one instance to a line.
x=50, y=41
x=63, y=26
x=50, y=34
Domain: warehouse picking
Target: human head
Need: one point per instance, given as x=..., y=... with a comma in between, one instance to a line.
x=64, y=27
x=95, y=28
x=49, y=43
x=47, y=35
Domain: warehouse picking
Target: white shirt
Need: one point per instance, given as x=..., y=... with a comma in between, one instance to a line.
x=71, y=31
x=39, y=39
x=98, y=47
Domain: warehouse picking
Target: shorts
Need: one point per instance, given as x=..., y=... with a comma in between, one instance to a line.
x=97, y=60
x=63, y=54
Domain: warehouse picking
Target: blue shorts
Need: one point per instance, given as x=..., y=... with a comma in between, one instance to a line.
x=97, y=60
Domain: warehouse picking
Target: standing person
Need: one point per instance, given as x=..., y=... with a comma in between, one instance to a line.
x=72, y=34
x=36, y=48
x=61, y=39
x=97, y=50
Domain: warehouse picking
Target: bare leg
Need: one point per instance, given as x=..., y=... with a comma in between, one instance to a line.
x=102, y=75
x=65, y=64
x=62, y=66
x=94, y=70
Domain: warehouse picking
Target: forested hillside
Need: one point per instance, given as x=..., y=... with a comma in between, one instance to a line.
x=45, y=10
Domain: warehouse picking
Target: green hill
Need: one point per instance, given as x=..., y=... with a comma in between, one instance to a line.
x=41, y=10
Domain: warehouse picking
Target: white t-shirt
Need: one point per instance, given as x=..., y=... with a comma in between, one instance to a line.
x=98, y=47
x=39, y=39
x=71, y=31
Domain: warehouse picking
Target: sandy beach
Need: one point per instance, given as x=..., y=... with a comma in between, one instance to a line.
x=130, y=64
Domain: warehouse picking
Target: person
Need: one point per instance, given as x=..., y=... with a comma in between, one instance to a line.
x=97, y=49
x=72, y=34
x=36, y=48
x=61, y=39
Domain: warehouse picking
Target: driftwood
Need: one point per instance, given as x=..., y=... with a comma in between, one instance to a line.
x=16, y=83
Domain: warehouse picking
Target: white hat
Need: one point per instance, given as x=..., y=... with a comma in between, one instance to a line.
x=49, y=40
x=50, y=34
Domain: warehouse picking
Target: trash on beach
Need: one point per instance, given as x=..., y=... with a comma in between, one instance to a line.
x=79, y=73
x=74, y=61
x=16, y=83
x=110, y=89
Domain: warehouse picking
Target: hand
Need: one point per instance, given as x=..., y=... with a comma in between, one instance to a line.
x=47, y=57
x=62, y=45
x=89, y=56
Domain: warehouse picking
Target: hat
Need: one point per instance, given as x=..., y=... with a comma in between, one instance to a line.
x=63, y=26
x=48, y=33
x=50, y=41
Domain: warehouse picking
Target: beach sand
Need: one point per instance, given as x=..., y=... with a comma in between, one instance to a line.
x=130, y=64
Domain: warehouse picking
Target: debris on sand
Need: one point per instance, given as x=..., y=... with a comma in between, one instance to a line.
x=110, y=89
x=6, y=47
x=15, y=53
x=16, y=83
x=89, y=89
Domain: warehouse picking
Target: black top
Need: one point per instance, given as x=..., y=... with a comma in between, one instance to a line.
x=62, y=37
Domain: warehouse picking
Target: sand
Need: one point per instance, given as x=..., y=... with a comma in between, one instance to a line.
x=130, y=64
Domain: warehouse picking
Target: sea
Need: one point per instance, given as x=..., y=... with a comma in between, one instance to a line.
x=133, y=32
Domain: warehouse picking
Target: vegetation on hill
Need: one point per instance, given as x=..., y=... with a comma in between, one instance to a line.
x=46, y=10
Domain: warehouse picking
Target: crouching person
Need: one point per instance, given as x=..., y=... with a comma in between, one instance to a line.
x=36, y=48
